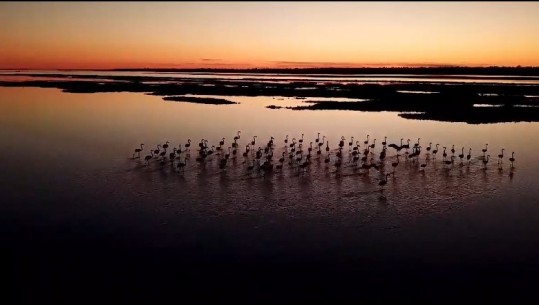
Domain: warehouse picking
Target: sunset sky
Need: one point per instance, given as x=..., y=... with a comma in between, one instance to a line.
x=218, y=34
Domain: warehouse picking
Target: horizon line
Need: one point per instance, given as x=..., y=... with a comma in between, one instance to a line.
x=278, y=68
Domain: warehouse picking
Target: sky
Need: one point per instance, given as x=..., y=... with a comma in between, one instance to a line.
x=103, y=35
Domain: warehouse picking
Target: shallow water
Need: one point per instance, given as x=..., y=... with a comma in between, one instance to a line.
x=68, y=176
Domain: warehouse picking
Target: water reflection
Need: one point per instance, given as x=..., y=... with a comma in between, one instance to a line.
x=90, y=138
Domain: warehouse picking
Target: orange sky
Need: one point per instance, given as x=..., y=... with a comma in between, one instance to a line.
x=212, y=34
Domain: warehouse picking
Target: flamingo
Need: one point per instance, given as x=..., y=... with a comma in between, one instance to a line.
x=469, y=156
x=188, y=145
x=512, y=159
x=444, y=154
x=366, y=141
x=138, y=150
x=341, y=143
x=246, y=153
x=286, y=141
x=238, y=136
x=318, y=138
x=351, y=143
x=385, y=141
x=500, y=156
x=156, y=152
x=322, y=142
x=373, y=143
x=485, y=149
x=253, y=142
x=301, y=140
x=417, y=144
x=453, y=149
x=327, y=145
x=165, y=146
x=461, y=156
x=172, y=155
x=429, y=147
x=148, y=158
x=435, y=151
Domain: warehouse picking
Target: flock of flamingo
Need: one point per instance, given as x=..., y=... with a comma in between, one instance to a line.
x=295, y=155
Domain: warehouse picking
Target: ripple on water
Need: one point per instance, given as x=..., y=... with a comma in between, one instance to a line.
x=322, y=190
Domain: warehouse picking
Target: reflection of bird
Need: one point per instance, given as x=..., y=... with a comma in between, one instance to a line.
x=384, y=181
x=485, y=161
x=138, y=150
x=181, y=165
x=395, y=164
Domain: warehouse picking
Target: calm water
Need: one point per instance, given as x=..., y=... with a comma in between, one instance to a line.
x=76, y=203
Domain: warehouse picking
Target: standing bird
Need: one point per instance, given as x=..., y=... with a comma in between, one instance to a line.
x=148, y=158
x=453, y=150
x=373, y=144
x=188, y=145
x=172, y=155
x=366, y=141
x=444, y=154
x=485, y=161
x=156, y=152
x=137, y=151
x=435, y=151
x=385, y=141
x=512, y=159
x=253, y=142
x=327, y=146
x=500, y=157
x=485, y=149
x=165, y=146
x=429, y=147
x=469, y=156
x=301, y=140
x=286, y=141
x=238, y=136
x=461, y=156
x=351, y=143
x=318, y=138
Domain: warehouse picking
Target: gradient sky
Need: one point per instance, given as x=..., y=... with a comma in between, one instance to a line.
x=45, y=35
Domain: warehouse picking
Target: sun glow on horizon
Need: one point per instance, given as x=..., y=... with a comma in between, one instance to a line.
x=267, y=35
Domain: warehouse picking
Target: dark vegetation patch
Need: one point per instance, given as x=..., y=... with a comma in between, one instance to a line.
x=453, y=102
x=199, y=100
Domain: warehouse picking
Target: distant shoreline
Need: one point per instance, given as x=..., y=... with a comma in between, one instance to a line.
x=446, y=70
